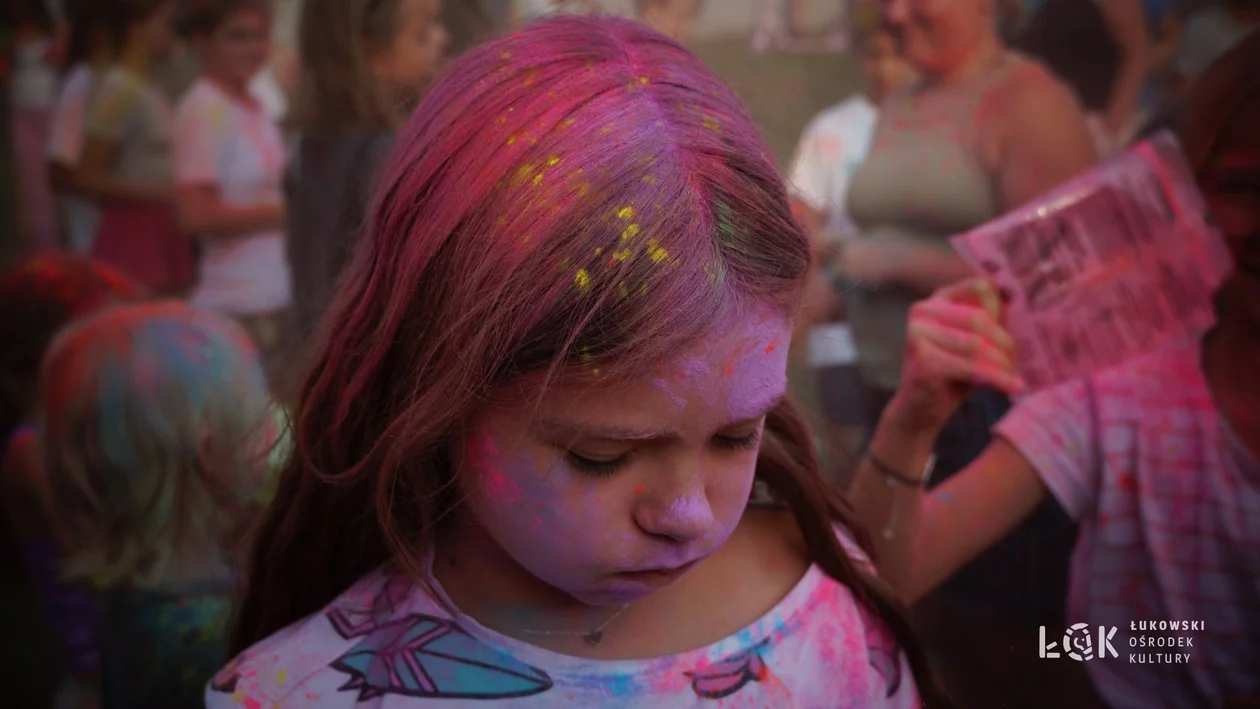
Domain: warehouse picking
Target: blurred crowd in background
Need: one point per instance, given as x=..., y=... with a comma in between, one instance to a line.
x=222, y=154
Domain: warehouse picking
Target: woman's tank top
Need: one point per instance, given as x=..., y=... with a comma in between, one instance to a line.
x=923, y=181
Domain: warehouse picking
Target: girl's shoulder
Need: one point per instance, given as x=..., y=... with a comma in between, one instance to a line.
x=313, y=661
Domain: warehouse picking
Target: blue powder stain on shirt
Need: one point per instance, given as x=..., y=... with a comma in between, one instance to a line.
x=614, y=685
x=622, y=685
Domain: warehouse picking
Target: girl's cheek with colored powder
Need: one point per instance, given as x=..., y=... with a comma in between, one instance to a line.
x=551, y=521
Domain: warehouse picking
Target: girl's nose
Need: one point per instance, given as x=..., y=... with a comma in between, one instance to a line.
x=681, y=518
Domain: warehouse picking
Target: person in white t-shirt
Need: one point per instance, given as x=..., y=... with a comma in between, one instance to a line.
x=92, y=51
x=229, y=169
x=830, y=152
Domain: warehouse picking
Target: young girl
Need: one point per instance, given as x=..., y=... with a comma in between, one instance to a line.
x=126, y=166
x=362, y=63
x=229, y=166
x=553, y=379
x=37, y=298
x=151, y=428
x=91, y=53
x=1158, y=459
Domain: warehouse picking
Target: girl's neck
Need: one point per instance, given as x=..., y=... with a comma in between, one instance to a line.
x=978, y=61
x=136, y=59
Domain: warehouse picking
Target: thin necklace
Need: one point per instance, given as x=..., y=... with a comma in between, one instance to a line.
x=592, y=637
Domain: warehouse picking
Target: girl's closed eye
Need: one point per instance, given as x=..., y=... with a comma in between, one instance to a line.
x=601, y=464
x=597, y=464
x=739, y=441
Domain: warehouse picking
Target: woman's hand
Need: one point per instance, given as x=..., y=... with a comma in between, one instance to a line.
x=955, y=340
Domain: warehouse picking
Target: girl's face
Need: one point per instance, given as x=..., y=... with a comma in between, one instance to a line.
x=157, y=31
x=607, y=493
x=416, y=51
x=238, y=48
x=1231, y=184
x=936, y=36
x=886, y=71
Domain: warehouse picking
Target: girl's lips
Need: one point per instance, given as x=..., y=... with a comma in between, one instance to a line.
x=657, y=577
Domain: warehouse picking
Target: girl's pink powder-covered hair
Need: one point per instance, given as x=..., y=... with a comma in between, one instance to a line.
x=580, y=200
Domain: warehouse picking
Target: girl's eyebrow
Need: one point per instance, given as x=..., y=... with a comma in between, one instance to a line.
x=561, y=430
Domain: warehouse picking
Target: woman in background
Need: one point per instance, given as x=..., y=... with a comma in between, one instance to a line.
x=363, y=64
x=983, y=131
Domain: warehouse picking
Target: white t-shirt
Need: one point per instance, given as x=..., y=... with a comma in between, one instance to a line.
x=65, y=146
x=238, y=148
x=384, y=643
x=1168, y=501
x=831, y=150
x=266, y=88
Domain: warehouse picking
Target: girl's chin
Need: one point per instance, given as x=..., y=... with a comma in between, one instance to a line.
x=611, y=596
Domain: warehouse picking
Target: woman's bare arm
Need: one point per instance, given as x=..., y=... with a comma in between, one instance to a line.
x=95, y=177
x=954, y=339
x=1126, y=21
x=935, y=534
x=1044, y=138
x=202, y=211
